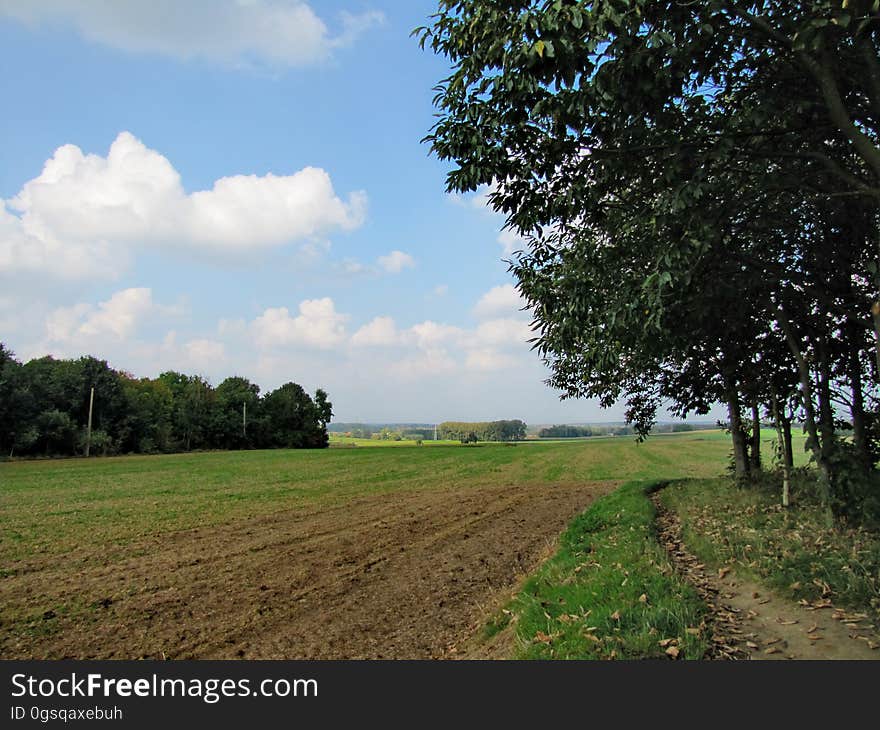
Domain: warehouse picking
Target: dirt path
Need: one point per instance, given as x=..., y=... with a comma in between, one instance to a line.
x=748, y=621
x=404, y=575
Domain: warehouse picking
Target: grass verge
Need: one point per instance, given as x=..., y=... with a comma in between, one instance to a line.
x=792, y=551
x=609, y=592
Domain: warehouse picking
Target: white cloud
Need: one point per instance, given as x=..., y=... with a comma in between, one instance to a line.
x=430, y=334
x=511, y=241
x=488, y=360
x=503, y=299
x=116, y=319
x=318, y=325
x=395, y=262
x=441, y=290
x=502, y=332
x=84, y=214
x=429, y=363
x=379, y=332
x=274, y=32
x=205, y=353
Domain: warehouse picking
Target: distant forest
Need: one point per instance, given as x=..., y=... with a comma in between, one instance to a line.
x=567, y=431
x=483, y=431
x=44, y=410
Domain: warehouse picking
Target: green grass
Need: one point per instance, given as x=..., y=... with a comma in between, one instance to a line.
x=609, y=592
x=792, y=551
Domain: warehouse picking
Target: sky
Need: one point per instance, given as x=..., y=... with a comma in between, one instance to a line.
x=239, y=187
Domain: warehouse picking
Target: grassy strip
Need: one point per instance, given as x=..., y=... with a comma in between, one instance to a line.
x=792, y=551
x=609, y=592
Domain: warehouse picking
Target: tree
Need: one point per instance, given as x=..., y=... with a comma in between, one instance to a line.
x=697, y=186
x=293, y=420
x=236, y=417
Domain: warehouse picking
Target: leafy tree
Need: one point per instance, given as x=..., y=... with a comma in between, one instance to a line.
x=293, y=419
x=697, y=184
x=236, y=418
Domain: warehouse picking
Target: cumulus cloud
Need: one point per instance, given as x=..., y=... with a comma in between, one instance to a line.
x=205, y=352
x=489, y=360
x=511, y=242
x=502, y=332
x=117, y=318
x=84, y=214
x=379, y=332
x=441, y=348
x=273, y=32
x=395, y=262
x=318, y=325
x=504, y=299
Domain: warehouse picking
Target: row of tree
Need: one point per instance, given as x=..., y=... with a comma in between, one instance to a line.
x=482, y=431
x=45, y=403
x=565, y=432
x=698, y=187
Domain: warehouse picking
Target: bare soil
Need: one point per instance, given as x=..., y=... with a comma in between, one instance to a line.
x=406, y=575
x=749, y=621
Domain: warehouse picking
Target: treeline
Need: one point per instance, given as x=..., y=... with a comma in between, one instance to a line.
x=482, y=431
x=384, y=432
x=565, y=432
x=44, y=410
x=698, y=188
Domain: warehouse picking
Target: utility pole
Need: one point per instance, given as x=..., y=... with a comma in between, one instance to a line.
x=89, y=429
x=244, y=418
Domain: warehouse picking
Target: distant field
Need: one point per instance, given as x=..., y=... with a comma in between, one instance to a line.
x=230, y=554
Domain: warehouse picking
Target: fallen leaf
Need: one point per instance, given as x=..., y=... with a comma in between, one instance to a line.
x=643, y=598
x=752, y=645
x=615, y=616
x=543, y=638
x=722, y=572
x=771, y=641
x=673, y=651
x=693, y=631
x=814, y=637
x=772, y=650
x=786, y=623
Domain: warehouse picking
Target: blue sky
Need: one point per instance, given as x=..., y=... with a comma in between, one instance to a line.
x=239, y=187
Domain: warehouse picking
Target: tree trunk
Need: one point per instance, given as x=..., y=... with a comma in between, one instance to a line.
x=738, y=436
x=875, y=313
x=809, y=410
x=857, y=409
x=783, y=454
x=755, y=456
x=786, y=435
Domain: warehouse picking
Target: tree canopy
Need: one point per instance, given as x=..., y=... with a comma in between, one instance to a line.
x=44, y=409
x=697, y=186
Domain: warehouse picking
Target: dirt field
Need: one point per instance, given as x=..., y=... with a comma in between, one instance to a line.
x=404, y=575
